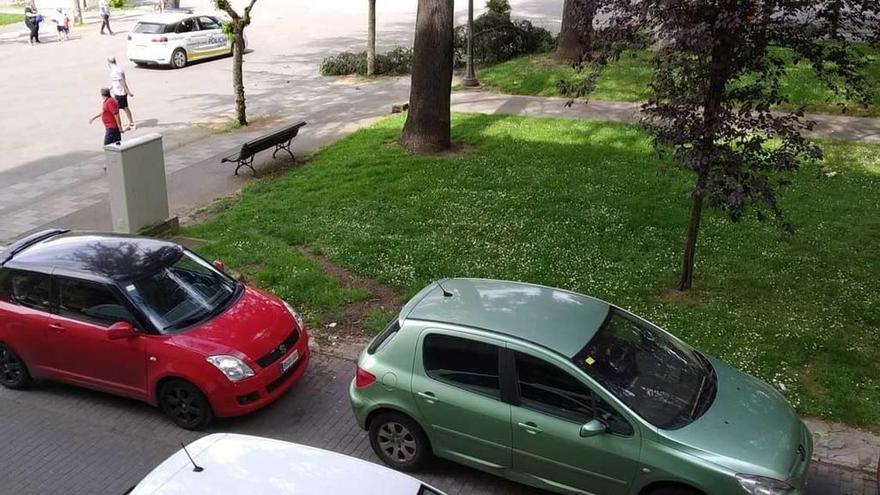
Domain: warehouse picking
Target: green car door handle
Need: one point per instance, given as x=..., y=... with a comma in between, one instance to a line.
x=530, y=427
x=429, y=397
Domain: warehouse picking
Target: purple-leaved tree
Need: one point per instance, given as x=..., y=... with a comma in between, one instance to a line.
x=718, y=67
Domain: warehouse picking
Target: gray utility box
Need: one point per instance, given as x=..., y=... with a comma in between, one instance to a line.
x=138, y=188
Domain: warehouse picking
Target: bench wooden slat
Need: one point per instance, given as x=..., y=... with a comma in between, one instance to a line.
x=279, y=138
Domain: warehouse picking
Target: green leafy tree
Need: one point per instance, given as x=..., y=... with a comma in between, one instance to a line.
x=234, y=29
x=500, y=7
x=576, y=31
x=371, y=38
x=428, y=126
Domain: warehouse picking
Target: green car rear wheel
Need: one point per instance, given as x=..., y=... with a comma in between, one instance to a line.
x=399, y=441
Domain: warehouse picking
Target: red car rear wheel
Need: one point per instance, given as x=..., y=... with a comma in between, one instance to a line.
x=13, y=372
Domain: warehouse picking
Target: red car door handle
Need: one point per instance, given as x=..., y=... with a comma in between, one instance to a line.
x=57, y=327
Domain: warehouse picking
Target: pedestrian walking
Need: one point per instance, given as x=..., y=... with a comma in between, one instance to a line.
x=119, y=89
x=110, y=117
x=31, y=20
x=104, y=8
x=66, y=26
x=61, y=21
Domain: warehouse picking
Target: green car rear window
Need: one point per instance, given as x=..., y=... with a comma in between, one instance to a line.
x=386, y=336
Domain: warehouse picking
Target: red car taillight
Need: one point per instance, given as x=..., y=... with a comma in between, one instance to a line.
x=363, y=379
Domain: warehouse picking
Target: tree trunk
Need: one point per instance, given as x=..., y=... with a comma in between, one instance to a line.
x=428, y=124
x=77, y=13
x=371, y=39
x=576, y=32
x=711, y=114
x=690, y=245
x=238, y=76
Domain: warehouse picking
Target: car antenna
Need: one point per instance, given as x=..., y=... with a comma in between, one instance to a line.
x=196, y=467
x=446, y=293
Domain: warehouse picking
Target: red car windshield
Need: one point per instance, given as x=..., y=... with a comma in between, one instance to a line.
x=664, y=381
x=184, y=294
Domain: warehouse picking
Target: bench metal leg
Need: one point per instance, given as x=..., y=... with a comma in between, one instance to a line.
x=249, y=163
x=286, y=147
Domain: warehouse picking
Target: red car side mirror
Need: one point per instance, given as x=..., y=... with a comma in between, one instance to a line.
x=121, y=330
x=219, y=265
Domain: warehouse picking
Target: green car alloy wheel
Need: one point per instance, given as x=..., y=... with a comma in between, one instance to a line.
x=570, y=394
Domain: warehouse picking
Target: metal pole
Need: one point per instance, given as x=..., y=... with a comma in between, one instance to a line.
x=470, y=77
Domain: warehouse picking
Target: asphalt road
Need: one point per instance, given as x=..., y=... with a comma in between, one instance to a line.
x=50, y=91
x=58, y=439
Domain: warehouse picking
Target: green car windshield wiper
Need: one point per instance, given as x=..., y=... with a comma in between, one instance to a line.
x=699, y=394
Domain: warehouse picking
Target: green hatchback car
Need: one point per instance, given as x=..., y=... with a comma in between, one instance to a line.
x=571, y=394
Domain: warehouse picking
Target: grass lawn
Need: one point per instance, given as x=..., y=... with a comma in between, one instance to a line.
x=627, y=80
x=10, y=18
x=586, y=206
x=539, y=75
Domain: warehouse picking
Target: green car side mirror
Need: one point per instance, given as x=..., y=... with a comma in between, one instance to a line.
x=593, y=428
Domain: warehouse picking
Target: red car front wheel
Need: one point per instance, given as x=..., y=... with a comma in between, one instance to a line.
x=185, y=404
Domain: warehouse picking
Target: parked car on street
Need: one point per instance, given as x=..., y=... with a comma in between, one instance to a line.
x=176, y=39
x=571, y=394
x=226, y=463
x=146, y=319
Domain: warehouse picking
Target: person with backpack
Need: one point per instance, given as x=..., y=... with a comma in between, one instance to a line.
x=32, y=20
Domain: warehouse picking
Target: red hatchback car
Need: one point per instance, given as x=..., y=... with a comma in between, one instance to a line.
x=146, y=319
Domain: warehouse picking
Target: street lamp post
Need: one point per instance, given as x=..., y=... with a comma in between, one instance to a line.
x=470, y=78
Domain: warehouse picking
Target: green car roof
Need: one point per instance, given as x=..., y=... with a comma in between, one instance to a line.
x=560, y=320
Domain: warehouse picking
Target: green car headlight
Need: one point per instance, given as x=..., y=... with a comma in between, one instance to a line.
x=759, y=485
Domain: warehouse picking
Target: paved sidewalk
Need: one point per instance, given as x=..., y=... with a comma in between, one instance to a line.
x=59, y=439
x=16, y=31
x=827, y=126
x=75, y=196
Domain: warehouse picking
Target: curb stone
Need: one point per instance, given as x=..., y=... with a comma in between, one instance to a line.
x=845, y=446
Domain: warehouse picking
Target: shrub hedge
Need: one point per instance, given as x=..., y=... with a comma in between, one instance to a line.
x=394, y=63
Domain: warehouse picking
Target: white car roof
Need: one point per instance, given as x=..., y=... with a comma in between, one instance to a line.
x=173, y=17
x=242, y=464
x=165, y=18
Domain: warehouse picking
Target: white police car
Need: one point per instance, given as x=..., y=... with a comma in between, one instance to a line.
x=177, y=39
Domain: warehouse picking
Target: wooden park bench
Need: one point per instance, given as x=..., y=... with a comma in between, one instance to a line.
x=279, y=138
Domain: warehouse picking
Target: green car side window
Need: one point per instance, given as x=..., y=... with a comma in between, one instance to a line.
x=464, y=363
x=548, y=389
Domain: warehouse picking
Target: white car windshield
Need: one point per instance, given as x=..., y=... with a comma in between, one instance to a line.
x=183, y=294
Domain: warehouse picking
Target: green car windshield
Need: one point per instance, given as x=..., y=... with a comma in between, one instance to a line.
x=662, y=380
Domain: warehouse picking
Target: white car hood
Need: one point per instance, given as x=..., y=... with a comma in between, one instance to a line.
x=241, y=464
